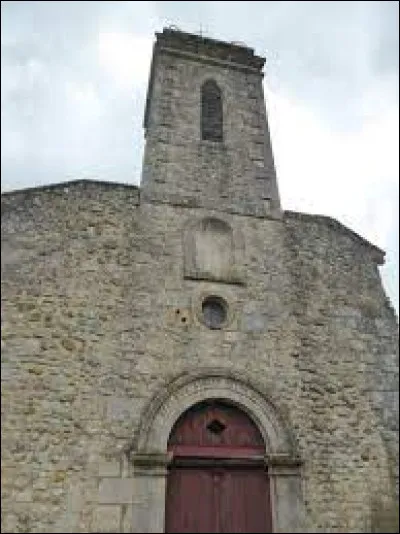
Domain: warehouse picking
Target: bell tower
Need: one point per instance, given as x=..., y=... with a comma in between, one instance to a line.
x=207, y=138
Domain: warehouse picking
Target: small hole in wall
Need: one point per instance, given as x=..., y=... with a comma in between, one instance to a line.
x=183, y=319
x=178, y=312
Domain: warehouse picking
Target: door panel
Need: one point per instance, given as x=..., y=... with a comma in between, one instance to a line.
x=244, y=501
x=219, y=500
x=190, y=501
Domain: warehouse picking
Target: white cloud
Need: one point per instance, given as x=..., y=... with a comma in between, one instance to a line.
x=125, y=57
x=84, y=97
x=352, y=176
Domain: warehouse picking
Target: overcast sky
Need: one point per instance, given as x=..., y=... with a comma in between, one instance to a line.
x=74, y=77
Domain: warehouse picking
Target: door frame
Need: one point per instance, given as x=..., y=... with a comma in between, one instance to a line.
x=149, y=459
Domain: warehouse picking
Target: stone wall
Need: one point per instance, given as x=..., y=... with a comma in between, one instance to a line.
x=68, y=252
x=348, y=361
x=98, y=317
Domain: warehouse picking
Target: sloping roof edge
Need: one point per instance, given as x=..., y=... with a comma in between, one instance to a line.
x=337, y=225
x=70, y=183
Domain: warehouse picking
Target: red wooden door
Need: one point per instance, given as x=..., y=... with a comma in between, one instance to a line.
x=190, y=501
x=217, y=481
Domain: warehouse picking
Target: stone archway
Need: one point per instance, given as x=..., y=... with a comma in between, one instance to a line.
x=149, y=458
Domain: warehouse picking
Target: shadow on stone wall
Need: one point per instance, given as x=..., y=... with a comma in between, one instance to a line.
x=384, y=515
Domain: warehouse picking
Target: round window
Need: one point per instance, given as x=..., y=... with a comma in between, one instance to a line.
x=214, y=310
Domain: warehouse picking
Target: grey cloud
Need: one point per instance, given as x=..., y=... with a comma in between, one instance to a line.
x=325, y=53
x=48, y=48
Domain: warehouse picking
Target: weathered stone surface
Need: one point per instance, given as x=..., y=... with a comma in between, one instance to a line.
x=107, y=519
x=110, y=469
x=116, y=490
x=92, y=283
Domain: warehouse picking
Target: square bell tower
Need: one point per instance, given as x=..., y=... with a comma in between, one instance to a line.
x=207, y=138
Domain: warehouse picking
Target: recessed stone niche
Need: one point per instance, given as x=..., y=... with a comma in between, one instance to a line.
x=213, y=251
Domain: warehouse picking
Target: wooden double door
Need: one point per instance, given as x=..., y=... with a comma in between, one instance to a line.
x=217, y=480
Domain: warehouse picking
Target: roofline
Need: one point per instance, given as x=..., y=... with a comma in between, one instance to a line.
x=69, y=183
x=205, y=38
x=329, y=221
x=334, y=223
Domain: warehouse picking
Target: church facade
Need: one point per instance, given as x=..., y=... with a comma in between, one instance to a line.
x=187, y=356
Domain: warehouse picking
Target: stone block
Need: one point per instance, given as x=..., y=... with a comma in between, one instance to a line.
x=116, y=490
x=110, y=469
x=107, y=518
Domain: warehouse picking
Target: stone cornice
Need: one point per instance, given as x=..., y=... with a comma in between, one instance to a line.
x=201, y=46
x=209, y=60
x=149, y=463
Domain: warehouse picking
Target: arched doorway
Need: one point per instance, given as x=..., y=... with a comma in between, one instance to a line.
x=217, y=480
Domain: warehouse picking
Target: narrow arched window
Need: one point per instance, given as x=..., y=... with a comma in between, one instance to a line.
x=211, y=111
